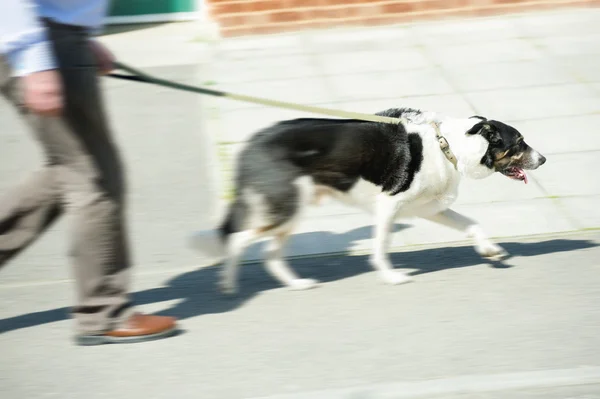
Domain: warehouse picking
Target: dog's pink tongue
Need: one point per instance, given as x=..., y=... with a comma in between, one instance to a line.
x=522, y=175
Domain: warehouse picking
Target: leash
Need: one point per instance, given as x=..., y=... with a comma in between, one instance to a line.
x=137, y=75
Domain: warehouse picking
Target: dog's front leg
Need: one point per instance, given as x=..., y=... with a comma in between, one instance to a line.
x=386, y=208
x=483, y=245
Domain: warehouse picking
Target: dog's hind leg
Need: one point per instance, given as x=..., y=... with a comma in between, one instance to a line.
x=304, y=192
x=236, y=245
x=456, y=221
x=279, y=268
x=386, y=208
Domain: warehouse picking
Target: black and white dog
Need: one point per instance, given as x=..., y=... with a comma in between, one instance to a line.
x=389, y=170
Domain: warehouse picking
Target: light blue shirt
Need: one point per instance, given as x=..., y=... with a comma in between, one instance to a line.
x=23, y=38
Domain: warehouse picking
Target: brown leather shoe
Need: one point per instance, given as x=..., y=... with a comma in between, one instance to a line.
x=138, y=328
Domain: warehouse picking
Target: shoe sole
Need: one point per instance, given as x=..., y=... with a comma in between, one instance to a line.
x=92, y=340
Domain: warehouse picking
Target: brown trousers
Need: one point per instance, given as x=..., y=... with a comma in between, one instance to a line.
x=83, y=175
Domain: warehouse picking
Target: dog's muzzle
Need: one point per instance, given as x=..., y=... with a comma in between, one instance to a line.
x=529, y=160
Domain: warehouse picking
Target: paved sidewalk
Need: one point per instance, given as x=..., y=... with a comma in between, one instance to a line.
x=524, y=329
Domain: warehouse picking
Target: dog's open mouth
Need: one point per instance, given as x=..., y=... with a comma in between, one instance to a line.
x=515, y=173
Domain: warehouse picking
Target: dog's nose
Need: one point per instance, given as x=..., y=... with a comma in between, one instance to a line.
x=542, y=159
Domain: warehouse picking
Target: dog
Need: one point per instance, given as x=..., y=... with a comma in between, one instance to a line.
x=389, y=170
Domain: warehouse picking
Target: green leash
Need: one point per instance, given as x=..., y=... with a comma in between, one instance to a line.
x=139, y=76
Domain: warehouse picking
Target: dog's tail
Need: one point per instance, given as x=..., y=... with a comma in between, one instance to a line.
x=212, y=243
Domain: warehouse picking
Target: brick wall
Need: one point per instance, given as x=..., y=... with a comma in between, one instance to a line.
x=243, y=17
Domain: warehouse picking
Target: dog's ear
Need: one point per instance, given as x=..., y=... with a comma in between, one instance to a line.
x=488, y=131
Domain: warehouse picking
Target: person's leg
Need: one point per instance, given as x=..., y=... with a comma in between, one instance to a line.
x=31, y=207
x=91, y=176
x=87, y=170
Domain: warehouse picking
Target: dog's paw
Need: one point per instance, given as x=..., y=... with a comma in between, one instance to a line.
x=303, y=284
x=394, y=277
x=491, y=251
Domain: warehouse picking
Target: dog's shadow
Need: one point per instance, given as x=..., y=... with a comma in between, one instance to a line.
x=197, y=294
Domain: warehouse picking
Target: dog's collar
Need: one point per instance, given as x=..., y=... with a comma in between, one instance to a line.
x=444, y=146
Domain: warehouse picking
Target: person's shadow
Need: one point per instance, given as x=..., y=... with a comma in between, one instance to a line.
x=198, y=295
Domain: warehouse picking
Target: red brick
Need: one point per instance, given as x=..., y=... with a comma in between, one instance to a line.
x=255, y=19
x=509, y=1
x=226, y=8
x=398, y=7
x=327, y=13
x=231, y=20
x=350, y=2
x=286, y=16
x=430, y=5
x=302, y=3
x=264, y=5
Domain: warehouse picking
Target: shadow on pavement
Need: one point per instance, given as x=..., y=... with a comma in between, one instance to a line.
x=198, y=294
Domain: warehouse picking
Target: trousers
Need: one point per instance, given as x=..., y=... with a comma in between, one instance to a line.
x=83, y=176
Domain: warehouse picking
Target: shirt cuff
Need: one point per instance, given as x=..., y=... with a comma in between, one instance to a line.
x=34, y=58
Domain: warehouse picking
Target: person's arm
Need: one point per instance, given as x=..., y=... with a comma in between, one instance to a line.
x=23, y=38
x=24, y=43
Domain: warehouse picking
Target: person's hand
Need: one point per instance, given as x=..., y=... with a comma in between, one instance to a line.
x=43, y=92
x=103, y=56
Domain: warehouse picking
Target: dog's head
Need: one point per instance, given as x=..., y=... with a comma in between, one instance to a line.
x=503, y=150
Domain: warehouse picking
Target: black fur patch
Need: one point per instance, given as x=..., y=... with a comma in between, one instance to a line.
x=416, y=159
x=335, y=153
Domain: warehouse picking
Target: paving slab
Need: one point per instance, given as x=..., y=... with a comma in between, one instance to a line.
x=240, y=125
x=582, y=44
x=584, y=67
x=504, y=75
x=578, y=179
x=391, y=85
x=304, y=91
x=461, y=31
x=559, y=22
x=348, y=39
x=584, y=210
x=556, y=135
x=253, y=69
x=537, y=102
x=392, y=59
x=483, y=53
x=241, y=48
x=497, y=188
x=449, y=104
